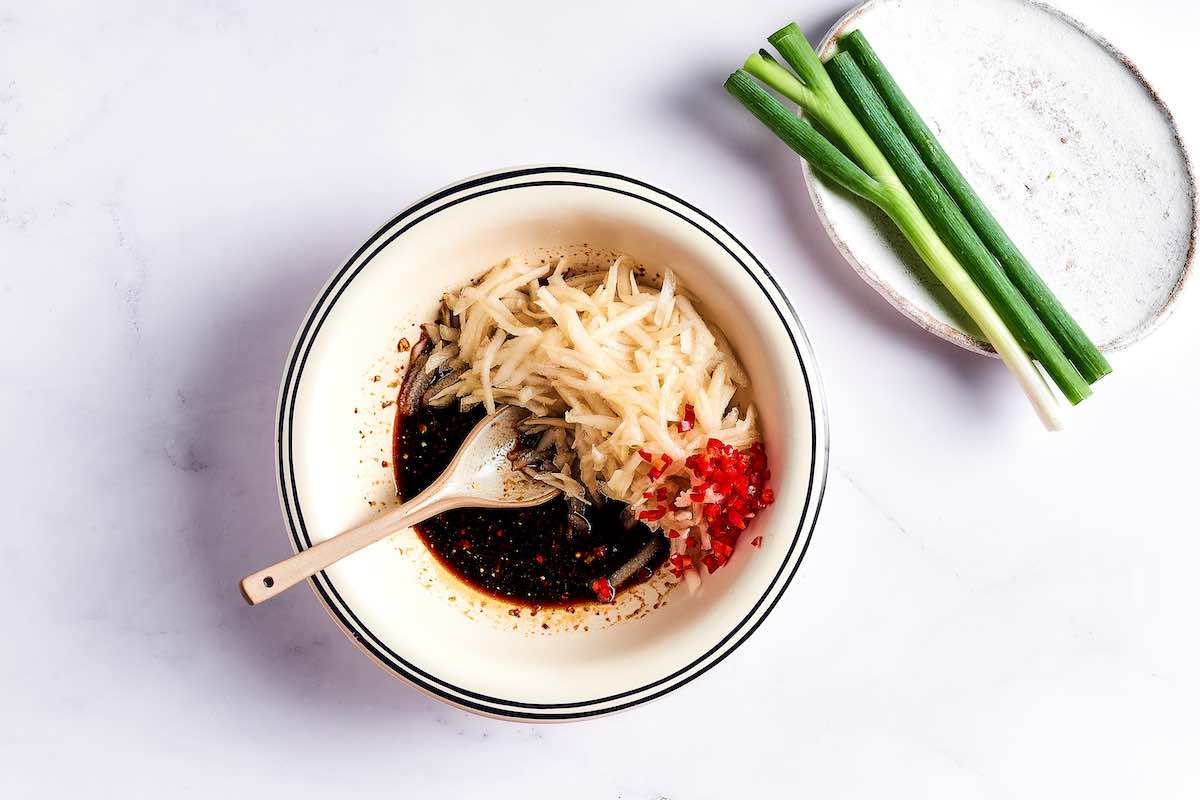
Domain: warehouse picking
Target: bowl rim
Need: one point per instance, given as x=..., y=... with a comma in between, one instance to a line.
x=452, y=195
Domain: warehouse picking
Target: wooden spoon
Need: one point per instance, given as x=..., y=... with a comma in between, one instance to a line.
x=480, y=476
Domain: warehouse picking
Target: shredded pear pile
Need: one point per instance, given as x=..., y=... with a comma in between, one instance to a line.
x=611, y=366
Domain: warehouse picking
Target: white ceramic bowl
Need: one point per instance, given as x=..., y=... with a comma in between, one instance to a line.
x=334, y=436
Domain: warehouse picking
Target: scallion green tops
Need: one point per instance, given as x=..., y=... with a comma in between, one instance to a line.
x=872, y=142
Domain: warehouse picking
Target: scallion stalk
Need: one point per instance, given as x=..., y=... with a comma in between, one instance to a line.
x=1066, y=331
x=820, y=99
x=948, y=220
x=883, y=188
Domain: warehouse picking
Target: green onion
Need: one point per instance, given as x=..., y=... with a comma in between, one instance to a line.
x=803, y=138
x=1066, y=331
x=953, y=227
x=874, y=179
x=820, y=98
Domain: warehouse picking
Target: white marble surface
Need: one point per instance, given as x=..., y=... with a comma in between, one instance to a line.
x=986, y=611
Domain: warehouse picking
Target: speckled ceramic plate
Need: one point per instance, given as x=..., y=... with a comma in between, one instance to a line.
x=393, y=599
x=1061, y=136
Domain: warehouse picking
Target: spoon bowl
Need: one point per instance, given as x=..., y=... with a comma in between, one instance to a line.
x=479, y=476
x=482, y=469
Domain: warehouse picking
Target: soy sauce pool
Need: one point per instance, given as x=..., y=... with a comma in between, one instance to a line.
x=529, y=556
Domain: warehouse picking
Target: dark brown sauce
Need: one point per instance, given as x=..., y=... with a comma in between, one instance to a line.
x=529, y=556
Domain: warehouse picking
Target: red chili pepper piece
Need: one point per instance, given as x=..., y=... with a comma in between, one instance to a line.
x=603, y=589
x=721, y=550
x=646, y=455
x=681, y=561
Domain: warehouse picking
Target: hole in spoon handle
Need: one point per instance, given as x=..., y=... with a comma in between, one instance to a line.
x=266, y=583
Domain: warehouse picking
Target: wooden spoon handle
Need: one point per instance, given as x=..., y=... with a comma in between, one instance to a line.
x=266, y=583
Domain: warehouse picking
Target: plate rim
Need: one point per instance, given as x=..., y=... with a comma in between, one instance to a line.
x=923, y=319
x=440, y=689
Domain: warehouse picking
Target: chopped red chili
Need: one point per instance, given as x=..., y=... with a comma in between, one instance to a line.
x=738, y=479
x=604, y=590
x=689, y=419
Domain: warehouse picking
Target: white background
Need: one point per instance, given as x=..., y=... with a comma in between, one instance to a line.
x=986, y=610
